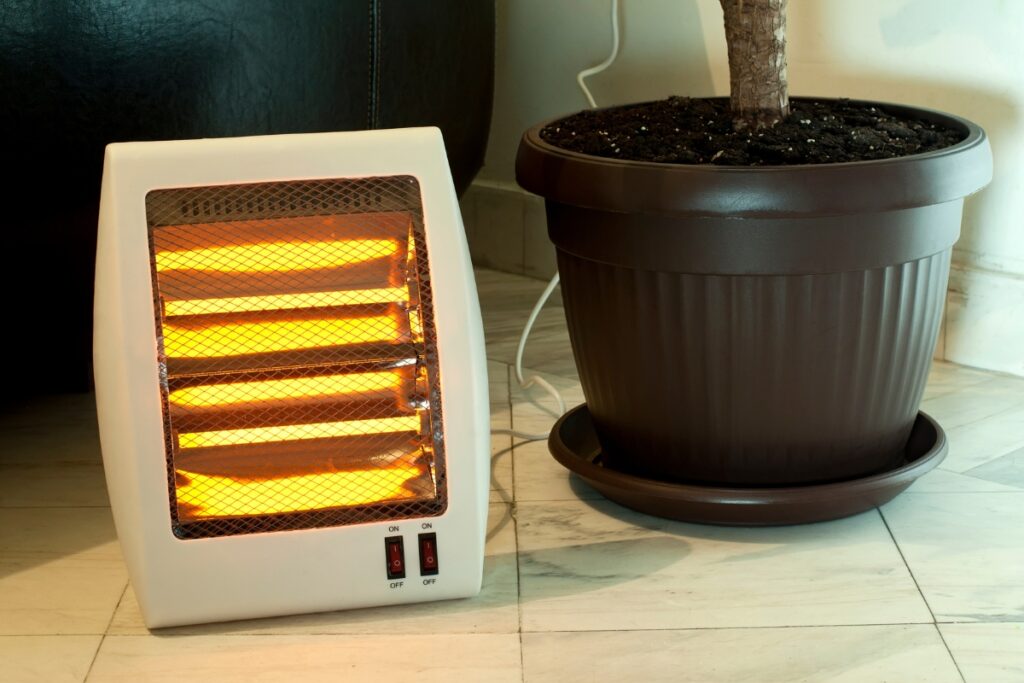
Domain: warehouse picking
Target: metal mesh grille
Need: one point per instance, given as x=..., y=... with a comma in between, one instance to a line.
x=298, y=355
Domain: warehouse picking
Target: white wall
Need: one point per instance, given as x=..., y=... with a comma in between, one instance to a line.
x=542, y=44
x=962, y=56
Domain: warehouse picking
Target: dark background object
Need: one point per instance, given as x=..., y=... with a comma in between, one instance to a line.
x=78, y=74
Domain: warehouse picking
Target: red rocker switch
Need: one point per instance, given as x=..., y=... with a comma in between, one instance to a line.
x=394, y=552
x=428, y=554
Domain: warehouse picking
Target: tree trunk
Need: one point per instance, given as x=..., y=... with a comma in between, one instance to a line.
x=755, y=31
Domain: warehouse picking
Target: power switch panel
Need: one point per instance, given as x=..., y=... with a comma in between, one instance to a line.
x=428, y=554
x=395, y=553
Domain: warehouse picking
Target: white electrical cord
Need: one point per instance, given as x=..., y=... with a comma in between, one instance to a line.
x=536, y=379
x=587, y=73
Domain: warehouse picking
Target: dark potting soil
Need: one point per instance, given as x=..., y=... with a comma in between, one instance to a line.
x=683, y=130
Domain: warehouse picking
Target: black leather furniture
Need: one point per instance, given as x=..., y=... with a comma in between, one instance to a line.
x=77, y=74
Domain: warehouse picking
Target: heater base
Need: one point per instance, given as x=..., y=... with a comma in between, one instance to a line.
x=574, y=444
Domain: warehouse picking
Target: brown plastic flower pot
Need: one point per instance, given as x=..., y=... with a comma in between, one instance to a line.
x=738, y=326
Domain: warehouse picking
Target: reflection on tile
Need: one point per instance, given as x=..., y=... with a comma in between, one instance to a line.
x=50, y=430
x=493, y=611
x=53, y=485
x=497, y=382
x=977, y=443
x=353, y=659
x=540, y=477
x=964, y=406
x=502, y=488
x=501, y=444
x=1007, y=470
x=987, y=653
x=506, y=301
x=945, y=378
x=943, y=481
x=857, y=654
x=535, y=401
x=966, y=551
x=596, y=566
x=534, y=410
x=60, y=570
x=46, y=659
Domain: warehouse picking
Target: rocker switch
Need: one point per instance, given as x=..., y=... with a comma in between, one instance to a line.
x=428, y=554
x=394, y=552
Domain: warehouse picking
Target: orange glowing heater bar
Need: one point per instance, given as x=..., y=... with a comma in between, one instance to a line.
x=364, y=383
x=274, y=257
x=264, y=336
x=212, y=496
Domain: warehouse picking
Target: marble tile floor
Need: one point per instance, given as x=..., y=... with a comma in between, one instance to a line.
x=929, y=588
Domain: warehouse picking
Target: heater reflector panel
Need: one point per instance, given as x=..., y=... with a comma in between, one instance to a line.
x=298, y=355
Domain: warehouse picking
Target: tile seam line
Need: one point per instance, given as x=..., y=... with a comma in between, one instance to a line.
x=917, y=585
x=520, y=634
x=70, y=634
x=106, y=631
x=60, y=507
x=574, y=380
x=515, y=523
x=958, y=493
x=508, y=633
x=1012, y=453
x=1000, y=413
x=735, y=628
x=163, y=633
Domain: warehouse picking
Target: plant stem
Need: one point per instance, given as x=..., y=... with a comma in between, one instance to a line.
x=755, y=31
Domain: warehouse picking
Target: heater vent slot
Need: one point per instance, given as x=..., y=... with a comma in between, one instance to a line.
x=298, y=354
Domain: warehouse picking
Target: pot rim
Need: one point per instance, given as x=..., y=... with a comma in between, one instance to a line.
x=942, y=175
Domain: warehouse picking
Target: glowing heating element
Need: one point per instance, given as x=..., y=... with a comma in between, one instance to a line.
x=278, y=302
x=270, y=257
x=232, y=339
x=316, y=430
x=295, y=320
x=364, y=383
x=205, y=496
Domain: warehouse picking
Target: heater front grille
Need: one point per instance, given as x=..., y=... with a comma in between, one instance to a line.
x=298, y=355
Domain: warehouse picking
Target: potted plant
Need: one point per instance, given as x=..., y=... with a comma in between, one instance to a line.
x=753, y=288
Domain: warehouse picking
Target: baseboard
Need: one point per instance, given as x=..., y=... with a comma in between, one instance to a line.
x=985, y=319
x=507, y=230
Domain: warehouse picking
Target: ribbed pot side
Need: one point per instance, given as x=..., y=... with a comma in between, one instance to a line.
x=753, y=379
x=740, y=329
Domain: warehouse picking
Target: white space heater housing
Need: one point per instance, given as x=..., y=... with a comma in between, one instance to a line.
x=290, y=374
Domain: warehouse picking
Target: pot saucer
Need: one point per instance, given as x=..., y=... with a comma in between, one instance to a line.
x=574, y=444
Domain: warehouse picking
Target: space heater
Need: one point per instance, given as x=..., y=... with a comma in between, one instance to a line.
x=290, y=374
